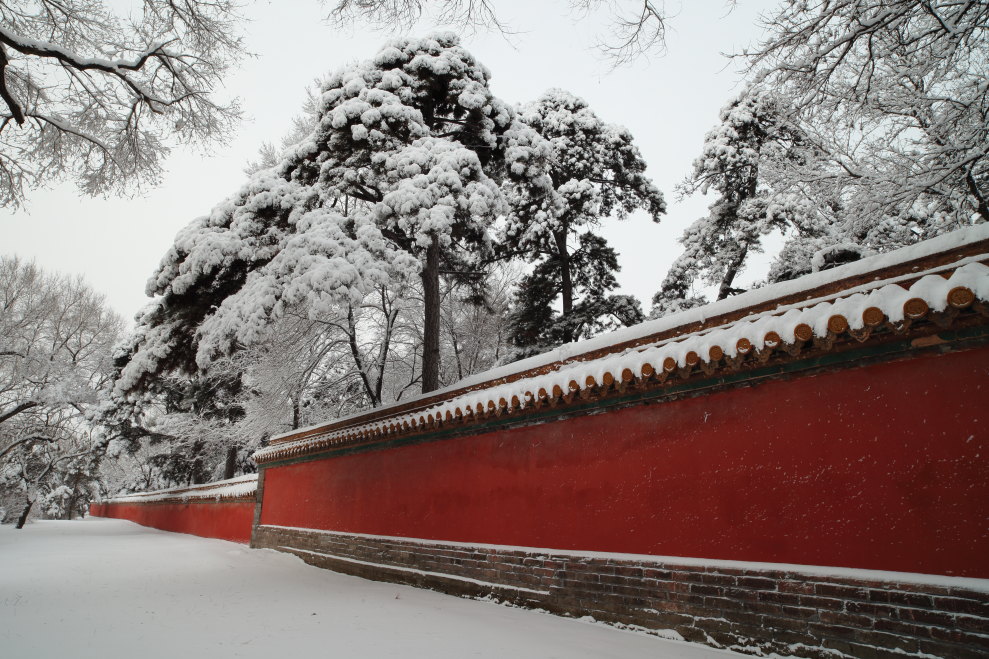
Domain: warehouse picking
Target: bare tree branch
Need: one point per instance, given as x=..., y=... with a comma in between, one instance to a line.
x=22, y=442
x=638, y=27
x=110, y=94
x=17, y=409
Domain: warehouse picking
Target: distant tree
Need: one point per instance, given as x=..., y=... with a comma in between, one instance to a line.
x=302, y=125
x=747, y=159
x=56, y=336
x=597, y=172
x=57, y=479
x=98, y=97
x=185, y=430
x=475, y=323
x=362, y=355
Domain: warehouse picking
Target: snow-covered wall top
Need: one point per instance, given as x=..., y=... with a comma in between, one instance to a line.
x=240, y=487
x=936, y=279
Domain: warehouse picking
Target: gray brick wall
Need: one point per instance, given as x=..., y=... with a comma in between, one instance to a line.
x=754, y=611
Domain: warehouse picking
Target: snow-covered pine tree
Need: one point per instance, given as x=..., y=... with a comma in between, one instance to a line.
x=745, y=159
x=597, y=172
x=400, y=175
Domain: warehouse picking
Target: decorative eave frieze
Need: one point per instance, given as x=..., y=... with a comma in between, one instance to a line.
x=914, y=298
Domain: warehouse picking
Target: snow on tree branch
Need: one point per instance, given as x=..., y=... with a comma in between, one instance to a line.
x=101, y=98
x=896, y=92
x=634, y=33
x=404, y=14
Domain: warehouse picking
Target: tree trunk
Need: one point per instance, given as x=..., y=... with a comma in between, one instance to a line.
x=431, y=320
x=751, y=187
x=391, y=315
x=980, y=200
x=72, y=499
x=355, y=352
x=725, y=289
x=566, y=281
x=231, y=465
x=197, y=464
x=22, y=520
x=456, y=354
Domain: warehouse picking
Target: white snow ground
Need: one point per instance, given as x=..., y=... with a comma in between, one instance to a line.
x=112, y=589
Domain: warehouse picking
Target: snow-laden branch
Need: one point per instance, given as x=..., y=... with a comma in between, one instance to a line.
x=109, y=95
x=17, y=409
x=30, y=46
x=635, y=31
x=22, y=442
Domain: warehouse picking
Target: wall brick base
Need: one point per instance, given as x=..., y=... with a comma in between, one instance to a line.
x=748, y=610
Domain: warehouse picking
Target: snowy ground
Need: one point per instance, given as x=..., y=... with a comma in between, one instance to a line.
x=113, y=589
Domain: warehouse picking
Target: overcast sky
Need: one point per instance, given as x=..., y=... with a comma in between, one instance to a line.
x=668, y=103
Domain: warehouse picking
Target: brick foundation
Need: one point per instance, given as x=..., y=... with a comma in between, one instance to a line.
x=758, y=611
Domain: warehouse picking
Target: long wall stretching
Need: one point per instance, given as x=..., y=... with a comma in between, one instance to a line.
x=224, y=509
x=226, y=520
x=882, y=467
x=802, y=469
x=834, y=511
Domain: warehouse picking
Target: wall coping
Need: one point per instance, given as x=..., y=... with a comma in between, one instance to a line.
x=916, y=290
x=241, y=487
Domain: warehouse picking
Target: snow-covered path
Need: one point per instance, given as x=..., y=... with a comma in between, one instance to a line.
x=112, y=589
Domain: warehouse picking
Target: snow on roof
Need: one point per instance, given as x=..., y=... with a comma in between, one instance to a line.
x=883, y=291
x=233, y=488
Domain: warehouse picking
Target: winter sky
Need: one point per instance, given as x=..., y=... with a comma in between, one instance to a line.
x=668, y=103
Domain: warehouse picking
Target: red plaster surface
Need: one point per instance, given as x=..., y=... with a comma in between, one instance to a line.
x=227, y=520
x=883, y=467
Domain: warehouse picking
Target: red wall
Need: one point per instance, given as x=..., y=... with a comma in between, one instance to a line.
x=883, y=467
x=227, y=520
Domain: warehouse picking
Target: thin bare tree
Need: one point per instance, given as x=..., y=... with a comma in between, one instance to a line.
x=56, y=336
x=637, y=28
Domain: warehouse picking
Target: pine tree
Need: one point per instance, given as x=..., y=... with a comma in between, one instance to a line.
x=745, y=159
x=399, y=179
x=597, y=172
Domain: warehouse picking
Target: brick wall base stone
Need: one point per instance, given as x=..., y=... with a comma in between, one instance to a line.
x=751, y=611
